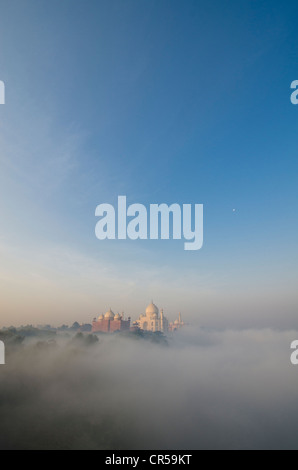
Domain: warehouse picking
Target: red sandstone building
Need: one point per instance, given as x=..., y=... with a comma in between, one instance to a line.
x=110, y=322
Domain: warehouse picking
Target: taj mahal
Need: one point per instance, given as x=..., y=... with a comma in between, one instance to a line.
x=152, y=320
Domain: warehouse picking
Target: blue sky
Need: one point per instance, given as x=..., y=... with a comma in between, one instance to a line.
x=162, y=101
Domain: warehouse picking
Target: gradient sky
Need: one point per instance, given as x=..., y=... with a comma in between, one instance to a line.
x=161, y=101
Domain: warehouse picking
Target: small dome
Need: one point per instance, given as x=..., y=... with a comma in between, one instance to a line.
x=176, y=322
x=117, y=317
x=109, y=315
x=154, y=315
x=100, y=317
x=151, y=309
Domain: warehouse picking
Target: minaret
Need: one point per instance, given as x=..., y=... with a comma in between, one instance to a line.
x=179, y=318
x=161, y=319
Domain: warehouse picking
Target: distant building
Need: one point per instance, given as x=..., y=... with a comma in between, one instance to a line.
x=152, y=320
x=110, y=322
x=173, y=326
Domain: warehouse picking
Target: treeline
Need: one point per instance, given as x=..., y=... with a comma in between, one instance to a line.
x=47, y=336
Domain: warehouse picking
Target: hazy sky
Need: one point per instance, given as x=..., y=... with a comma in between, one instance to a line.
x=161, y=101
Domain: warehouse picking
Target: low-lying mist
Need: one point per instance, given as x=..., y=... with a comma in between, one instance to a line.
x=200, y=390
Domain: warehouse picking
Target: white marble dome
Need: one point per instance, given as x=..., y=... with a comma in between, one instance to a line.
x=152, y=309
